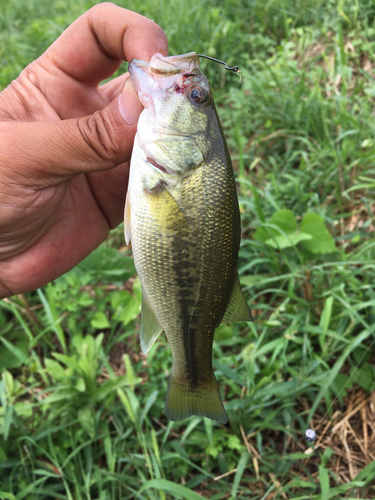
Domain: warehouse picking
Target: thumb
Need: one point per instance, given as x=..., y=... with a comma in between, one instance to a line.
x=50, y=152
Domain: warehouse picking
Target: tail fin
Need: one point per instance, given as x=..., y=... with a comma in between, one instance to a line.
x=184, y=400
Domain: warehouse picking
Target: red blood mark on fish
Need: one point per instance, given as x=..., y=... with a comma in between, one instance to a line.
x=181, y=89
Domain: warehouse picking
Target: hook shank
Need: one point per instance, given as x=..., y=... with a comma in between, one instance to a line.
x=234, y=68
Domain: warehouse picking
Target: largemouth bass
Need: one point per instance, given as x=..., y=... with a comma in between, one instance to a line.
x=183, y=219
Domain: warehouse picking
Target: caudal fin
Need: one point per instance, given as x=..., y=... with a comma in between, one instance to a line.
x=184, y=400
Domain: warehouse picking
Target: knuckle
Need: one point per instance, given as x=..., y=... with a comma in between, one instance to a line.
x=31, y=75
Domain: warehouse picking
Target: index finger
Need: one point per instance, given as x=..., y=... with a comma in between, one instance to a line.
x=96, y=44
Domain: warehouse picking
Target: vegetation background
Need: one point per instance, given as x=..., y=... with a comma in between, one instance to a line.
x=81, y=413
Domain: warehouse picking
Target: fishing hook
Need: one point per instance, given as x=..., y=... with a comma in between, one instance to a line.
x=235, y=68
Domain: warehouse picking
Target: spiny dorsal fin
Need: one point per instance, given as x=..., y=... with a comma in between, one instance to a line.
x=150, y=326
x=237, y=308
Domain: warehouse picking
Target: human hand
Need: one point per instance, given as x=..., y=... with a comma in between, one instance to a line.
x=65, y=145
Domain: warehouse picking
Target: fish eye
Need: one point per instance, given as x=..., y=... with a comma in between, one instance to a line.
x=197, y=94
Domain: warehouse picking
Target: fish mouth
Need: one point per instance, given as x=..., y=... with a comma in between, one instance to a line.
x=160, y=72
x=172, y=65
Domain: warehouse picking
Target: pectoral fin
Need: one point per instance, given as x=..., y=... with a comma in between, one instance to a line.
x=150, y=326
x=166, y=208
x=127, y=219
x=237, y=308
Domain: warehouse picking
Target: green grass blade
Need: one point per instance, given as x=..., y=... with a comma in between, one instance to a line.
x=324, y=482
x=239, y=473
x=170, y=487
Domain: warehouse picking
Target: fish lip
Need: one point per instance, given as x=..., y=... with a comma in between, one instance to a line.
x=141, y=79
x=159, y=73
x=172, y=65
x=167, y=66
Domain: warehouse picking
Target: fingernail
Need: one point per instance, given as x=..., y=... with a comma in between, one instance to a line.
x=129, y=106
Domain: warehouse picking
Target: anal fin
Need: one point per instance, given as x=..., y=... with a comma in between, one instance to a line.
x=237, y=308
x=150, y=326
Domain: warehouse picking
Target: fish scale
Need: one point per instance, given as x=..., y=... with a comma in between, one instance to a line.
x=183, y=219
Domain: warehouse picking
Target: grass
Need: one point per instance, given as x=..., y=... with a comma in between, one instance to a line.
x=81, y=413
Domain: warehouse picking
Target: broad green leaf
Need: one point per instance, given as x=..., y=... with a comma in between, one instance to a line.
x=100, y=321
x=285, y=220
x=321, y=242
x=54, y=369
x=282, y=241
x=130, y=311
x=281, y=222
x=262, y=234
x=24, y=409
x=340, y=383
x=120, y=298
x=363, y=376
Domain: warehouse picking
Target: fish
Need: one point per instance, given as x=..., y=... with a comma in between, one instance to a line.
x=182, y=218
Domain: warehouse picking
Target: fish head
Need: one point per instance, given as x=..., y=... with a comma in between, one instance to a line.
x=174, y=128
